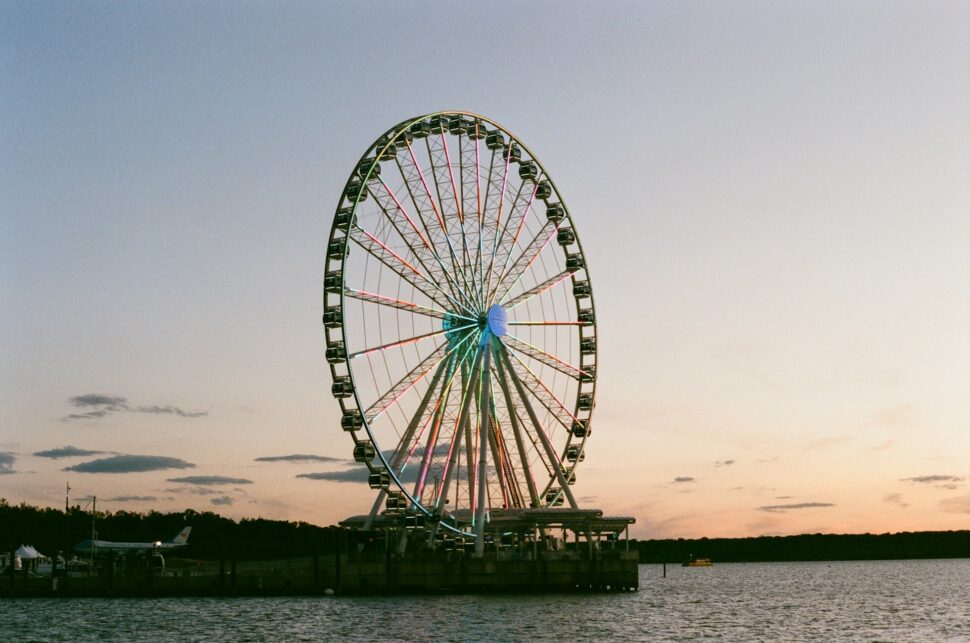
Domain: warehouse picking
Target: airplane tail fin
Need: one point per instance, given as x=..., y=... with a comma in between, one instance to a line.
x=182, y=538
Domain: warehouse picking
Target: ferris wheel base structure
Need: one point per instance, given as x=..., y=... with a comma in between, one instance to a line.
x=606, y=571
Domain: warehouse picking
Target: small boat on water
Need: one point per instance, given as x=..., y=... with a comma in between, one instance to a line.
x=699, y=562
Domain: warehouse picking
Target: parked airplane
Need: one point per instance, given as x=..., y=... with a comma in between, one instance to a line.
x=85, y=546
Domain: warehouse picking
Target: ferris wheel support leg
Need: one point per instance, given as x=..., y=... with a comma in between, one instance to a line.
x=468, y=380
x=483, y=448
x=402, y=446
x=517, y=431
x=402, y=543
x=546, y=444
x=456, y=438
x=433, y=435
x=497, y=460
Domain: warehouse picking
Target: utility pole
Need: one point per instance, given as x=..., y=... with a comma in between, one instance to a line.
x=67, y=518
x=94, y=534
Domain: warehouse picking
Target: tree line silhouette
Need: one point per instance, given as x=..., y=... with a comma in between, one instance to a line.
x=810, y=547
x=214, y=537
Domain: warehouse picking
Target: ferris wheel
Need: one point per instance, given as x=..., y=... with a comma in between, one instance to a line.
x=460, y=327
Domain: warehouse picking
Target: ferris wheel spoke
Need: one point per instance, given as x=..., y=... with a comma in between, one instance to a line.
x=395, y=213
x=494, y=205
x=451, y=367
x=469, y=441
x=542, y=356
x=517, y=433
x=402, y=453
x=498, y=177
x=501, y=247
x=482, y=464
x=454, y=448
x=543, y=394
x=437, y=417
x=537, y=289
x=401, y=456
x=444, y=176
x=451, y=463
x=438, y=420
x=532, y=442
x=511, y=275
x=469, y=157
x=410, y=340
x=406, y=383
x=454, y=184
x=397, y=264
x=417, y=242
x=382, y=300
x=540, y=432
x=427, y=209
x=547, y=323
x=508, y=482
x=472, y=380
x=515, y=223
x=448, y=199
x=494, y=190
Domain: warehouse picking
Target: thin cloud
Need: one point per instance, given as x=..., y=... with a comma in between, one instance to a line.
x=130, y=464
x=683, y=479
x=6, y=463
x=133, y=499
x=222, y=500
x=99, y=401
x=358, y=474
x=935, y=478
x=899, y=417
x=895, y=499
x=66, y=452
x=882, y=447
x=170, y=410
x=209, y=480
x=821, y=444
x=297, y=457
x=99, y=406
x=797, y=505
x=91, y=415
x=724, y=463
x=958, y=505
x=195, y=491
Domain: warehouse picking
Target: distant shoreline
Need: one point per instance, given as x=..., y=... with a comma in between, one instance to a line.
x=215, y=537
x=809, y=548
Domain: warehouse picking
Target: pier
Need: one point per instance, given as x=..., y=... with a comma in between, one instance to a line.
x=542, y=550
x=348, y=574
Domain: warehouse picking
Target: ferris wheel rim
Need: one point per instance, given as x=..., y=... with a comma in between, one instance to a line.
x=376, y=151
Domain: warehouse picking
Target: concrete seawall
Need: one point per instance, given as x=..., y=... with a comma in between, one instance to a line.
x=617, y=571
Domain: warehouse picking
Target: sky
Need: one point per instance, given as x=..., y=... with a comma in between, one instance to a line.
x=773, y=198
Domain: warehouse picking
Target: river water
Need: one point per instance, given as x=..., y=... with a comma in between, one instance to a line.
x=924, y=600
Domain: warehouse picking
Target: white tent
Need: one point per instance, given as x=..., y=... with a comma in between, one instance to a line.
x=27, y=557
x=28, y=551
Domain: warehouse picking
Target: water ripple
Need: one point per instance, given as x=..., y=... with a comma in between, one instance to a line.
x=846, y=601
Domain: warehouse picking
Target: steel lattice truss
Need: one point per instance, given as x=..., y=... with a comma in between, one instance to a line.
x=460, y=327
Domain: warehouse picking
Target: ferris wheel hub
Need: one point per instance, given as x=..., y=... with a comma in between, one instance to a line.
x=497, y=320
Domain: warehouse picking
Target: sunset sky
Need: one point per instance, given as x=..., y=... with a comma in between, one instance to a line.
x=773, y=198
